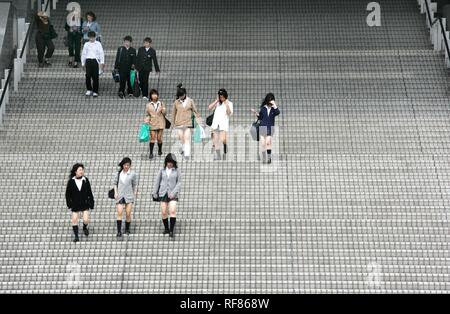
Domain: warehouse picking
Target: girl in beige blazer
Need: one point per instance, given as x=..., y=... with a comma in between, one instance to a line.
x=155, y=116
x=182, y=110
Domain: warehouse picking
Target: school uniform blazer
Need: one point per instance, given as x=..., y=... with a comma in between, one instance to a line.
x=145, y=60
x=125, y=58
x=157, y=120
x=182, y=116
x=94, y=27
x=79, y=200
x=167, y=185
x=268, y=120
x=128, y=188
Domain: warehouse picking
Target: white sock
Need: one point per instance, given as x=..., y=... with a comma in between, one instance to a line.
x=187, y=150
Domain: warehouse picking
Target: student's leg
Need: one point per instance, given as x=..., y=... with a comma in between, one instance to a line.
x=123, y=81
x=77, y=47
x=160, y=143
x=50, y=48
x=143, y=81
x=71, y=42
x=165, y=216
x=74, y=221
x=153, y=135
x=40, y=46
x=224, y=138
x=119, y=218
x=89, y=75
x=269, y=148
x=128, y=208
x=95, y=76
x=187, y=142
x=262, y=147
x=180, y=136
x=86, y=222
x=217, y=138
x=173, y=215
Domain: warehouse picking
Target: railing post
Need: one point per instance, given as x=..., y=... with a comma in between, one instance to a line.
x=16, y=74
x=54, y=4
x=47, y=6
x=27, y=46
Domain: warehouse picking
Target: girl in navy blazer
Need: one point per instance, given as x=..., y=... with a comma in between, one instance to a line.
x=266, y=115
x=79, y=198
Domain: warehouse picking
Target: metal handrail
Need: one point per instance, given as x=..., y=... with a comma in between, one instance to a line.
x=430, y=20
x=8, y=78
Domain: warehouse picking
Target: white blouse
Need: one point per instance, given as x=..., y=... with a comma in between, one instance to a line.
x=221, y=120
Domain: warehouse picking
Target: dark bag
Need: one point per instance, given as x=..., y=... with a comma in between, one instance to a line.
x=168, y=123
x=254, y=130
x=136, y=88
x=210, y=118
x=51, y=34
x=111, y=192
x=116, y=75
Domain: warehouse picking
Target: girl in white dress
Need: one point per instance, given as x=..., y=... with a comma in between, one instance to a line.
x=223, y=109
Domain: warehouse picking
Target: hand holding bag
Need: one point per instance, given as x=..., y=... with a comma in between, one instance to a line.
x=111, y=192
x=254, y=130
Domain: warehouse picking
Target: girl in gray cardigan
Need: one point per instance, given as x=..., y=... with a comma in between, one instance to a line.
x=166, y=190
x=125, y=193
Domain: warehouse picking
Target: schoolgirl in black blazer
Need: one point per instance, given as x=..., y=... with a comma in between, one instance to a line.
x=79, y=198
x=266, y=116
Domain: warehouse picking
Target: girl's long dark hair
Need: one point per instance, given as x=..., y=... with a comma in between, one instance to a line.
x=269, y=97
x=74, y=169
x=124, y=161
x=181, y=91
x=170, y=158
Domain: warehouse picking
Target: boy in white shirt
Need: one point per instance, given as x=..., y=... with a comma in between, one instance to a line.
x=92, y=59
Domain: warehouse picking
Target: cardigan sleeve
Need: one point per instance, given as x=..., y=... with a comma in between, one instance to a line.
x=68, y=195
x=194, y=110
x=91, y=200
x=174, y=113
x=177, y=188
x=157, y=183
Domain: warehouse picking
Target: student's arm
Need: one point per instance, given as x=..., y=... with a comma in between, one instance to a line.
x=116, y=63
x=195, y=111
x=133, y=59
x=177, y=188
x=213, y=104
x=102, y=54
x=174, y=113
x=66, y=27
x=83, y=56
x=156, y=184
x=116, y=184
x=163, y=108
x=90, y=194
x=139, y=60
x=134, y=184
x=229, y=108
x=155, y=61
x=68, y=196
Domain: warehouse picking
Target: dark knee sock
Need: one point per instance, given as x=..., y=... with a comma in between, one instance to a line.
x=166, y=223
x=224, y=148
x=119, y=225
x=127, y=225
x=269, y=152
x=75, y=230
x=173, y=220
x=151, y=147
x=85, y=226
x=160, y=147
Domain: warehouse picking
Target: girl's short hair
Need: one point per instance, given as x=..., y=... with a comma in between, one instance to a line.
x=269, y=97
x=170, y=158
x=74, y=169
x=124, y=161
x=90, y=13
x=223, y=92
x=181, y=91
x=153, y=91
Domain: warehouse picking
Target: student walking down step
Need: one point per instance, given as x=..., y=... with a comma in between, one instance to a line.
x=125, y=61
x=74, y=35
x=155, y=116
x=166, y=190
x=92, y=58
x=44, y=35
x=79, y=199
x=267, y=113
x=223, y=109
x=146, y=56
x=125, y=193
x=183, y=111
